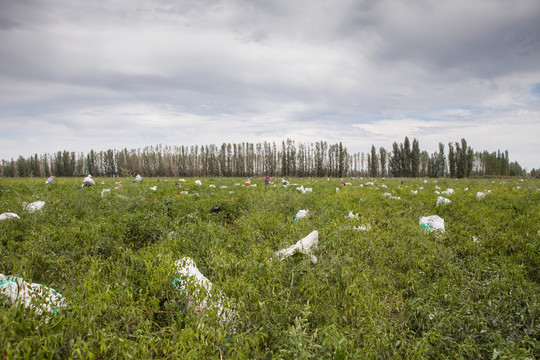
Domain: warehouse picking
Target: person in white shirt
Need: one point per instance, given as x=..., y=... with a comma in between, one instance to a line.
x=88, y=181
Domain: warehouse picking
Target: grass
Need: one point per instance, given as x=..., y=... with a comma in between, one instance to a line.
x=393, y=291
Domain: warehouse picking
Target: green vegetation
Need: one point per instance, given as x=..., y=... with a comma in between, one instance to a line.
x=393, y=291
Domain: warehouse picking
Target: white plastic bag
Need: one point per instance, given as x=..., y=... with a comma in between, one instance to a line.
x=34, y=296
x=431, y=223
x=198, y=182
x=8, y=215
x=480, y=195
x=304, y=246
x=301, y=214
x=304, y=190
x=199, y=291
x=363, y=227
x=34, y=206
x=443, y=201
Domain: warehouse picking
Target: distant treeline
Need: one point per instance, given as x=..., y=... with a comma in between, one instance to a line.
x=291, y=159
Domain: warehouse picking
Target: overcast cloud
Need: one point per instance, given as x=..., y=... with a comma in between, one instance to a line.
x=112, y=74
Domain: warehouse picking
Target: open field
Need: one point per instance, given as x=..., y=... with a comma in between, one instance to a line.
x=382, y=287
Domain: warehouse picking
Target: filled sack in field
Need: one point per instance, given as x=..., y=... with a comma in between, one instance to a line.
x=448, y=192
x=301, y=214
x=304, y=246
x=153, y=188
x=443, y=201
x=198, y=182
x=34, y=296
x=431, y=223
x=104, y=191
x=199, y=291
x=8, y=215
x=480, y=195
x=34, y=206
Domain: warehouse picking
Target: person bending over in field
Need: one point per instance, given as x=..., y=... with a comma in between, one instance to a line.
x=88, y=181
x=138, y=179
x=49, y=180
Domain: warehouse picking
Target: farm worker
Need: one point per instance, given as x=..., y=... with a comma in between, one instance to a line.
x=49, y=180
x=118, y=186
x=138, y=178
x=266, y=180
x=88, y=181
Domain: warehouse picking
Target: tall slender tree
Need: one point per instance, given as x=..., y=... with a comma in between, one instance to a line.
x=382, y=158
x=374, y=163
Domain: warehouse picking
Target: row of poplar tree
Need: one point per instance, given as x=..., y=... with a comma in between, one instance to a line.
x=292, y=159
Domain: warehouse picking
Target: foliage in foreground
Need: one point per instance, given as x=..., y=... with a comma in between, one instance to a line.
x=393, y=291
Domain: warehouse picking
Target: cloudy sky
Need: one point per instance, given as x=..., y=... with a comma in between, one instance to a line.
x=81, y=75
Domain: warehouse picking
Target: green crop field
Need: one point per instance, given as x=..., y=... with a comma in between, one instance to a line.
x=382, y=287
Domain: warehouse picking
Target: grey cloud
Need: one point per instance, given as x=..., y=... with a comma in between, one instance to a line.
x=484, y=38
x=325, y=63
